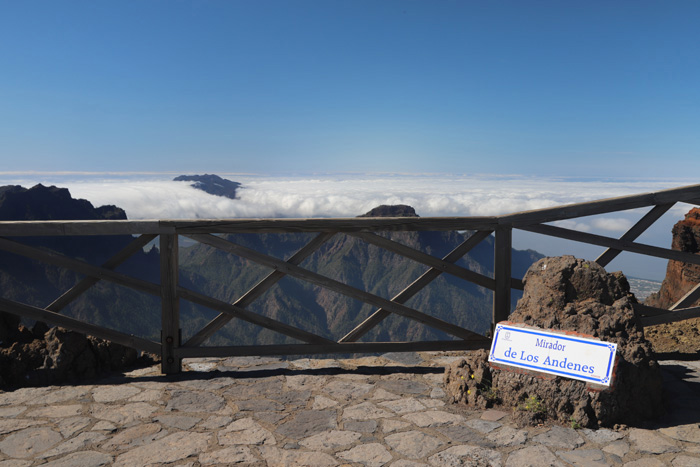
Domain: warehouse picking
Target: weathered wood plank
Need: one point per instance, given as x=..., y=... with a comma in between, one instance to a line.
x=603, y=206
x=426, y=259
x=170, y=304
x=82, y=286
x=645, y=310
x=688, y=299
x=261, y=287
x=672, y=317
x=233, y=311
x=624, y=245
x=353, y=224
x=79, y=228
x=333, y=285
x=32, y=312
x=417, y=285
x=502, y=262
x=345, y=348
x=517, y=284
x=635, y=231
x=57, y=259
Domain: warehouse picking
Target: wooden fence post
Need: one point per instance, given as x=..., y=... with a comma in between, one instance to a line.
x=170, y=304
x=502, y=274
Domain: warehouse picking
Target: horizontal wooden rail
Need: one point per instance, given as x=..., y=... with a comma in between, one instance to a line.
x=593, y=239
x=78, y=228
x=342, y=348
x=590, y=208
x=670, y=316
x=354, y=224
x=646, y=310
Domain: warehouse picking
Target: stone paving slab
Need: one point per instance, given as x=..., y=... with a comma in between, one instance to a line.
x=373, y=411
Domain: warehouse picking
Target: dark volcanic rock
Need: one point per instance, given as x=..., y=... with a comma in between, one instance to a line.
x=397, y=210
x=569, y=294
x=680, y=277
x=43, y=203
x=8, y=328
x=52, y=203
x=212, y=184
x=59, y=356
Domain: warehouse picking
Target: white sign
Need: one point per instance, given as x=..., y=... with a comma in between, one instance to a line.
x=559, y=354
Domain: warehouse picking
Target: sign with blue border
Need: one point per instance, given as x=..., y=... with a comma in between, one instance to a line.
x=552, y=352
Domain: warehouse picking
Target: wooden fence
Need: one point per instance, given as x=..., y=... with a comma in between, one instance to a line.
x=172, y=350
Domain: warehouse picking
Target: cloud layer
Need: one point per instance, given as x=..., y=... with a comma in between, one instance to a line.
x=349, y=196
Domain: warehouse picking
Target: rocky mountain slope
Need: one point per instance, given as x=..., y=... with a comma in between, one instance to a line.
x=680, y=277
x=681, y=339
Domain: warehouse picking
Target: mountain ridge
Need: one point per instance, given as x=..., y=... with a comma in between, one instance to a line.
x=212, y=184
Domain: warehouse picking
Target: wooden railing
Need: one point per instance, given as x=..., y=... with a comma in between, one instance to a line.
x=170, y=291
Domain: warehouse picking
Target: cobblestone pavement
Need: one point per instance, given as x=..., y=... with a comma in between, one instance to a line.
x=373, y=411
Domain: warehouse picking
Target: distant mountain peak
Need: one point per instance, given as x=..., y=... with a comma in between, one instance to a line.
x=212, y=184
x=50, y=203
x=396, y=210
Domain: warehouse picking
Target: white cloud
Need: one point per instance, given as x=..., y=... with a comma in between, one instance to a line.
x=149, y=197
x=573, y=225
x=613, y=224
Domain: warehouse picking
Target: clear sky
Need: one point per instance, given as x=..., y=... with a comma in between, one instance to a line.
x=594, y=88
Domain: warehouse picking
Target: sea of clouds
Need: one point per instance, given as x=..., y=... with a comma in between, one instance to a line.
x=156, y=196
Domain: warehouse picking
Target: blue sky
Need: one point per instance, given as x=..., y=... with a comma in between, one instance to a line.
x=544, y=88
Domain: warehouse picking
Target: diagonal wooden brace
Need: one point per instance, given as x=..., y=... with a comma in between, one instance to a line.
x=635, y=231
x=261, y=287
x=81, y=287
x=336, y=286
x=82, y=267
x=688, y=299
x=417, y=285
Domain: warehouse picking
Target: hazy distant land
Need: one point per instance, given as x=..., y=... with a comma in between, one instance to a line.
x=642, y=288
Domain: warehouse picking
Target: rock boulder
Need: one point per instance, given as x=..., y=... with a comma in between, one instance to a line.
x=43, y=356
x=569, y=294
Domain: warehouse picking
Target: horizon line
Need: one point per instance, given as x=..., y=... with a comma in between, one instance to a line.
x=14, y=173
